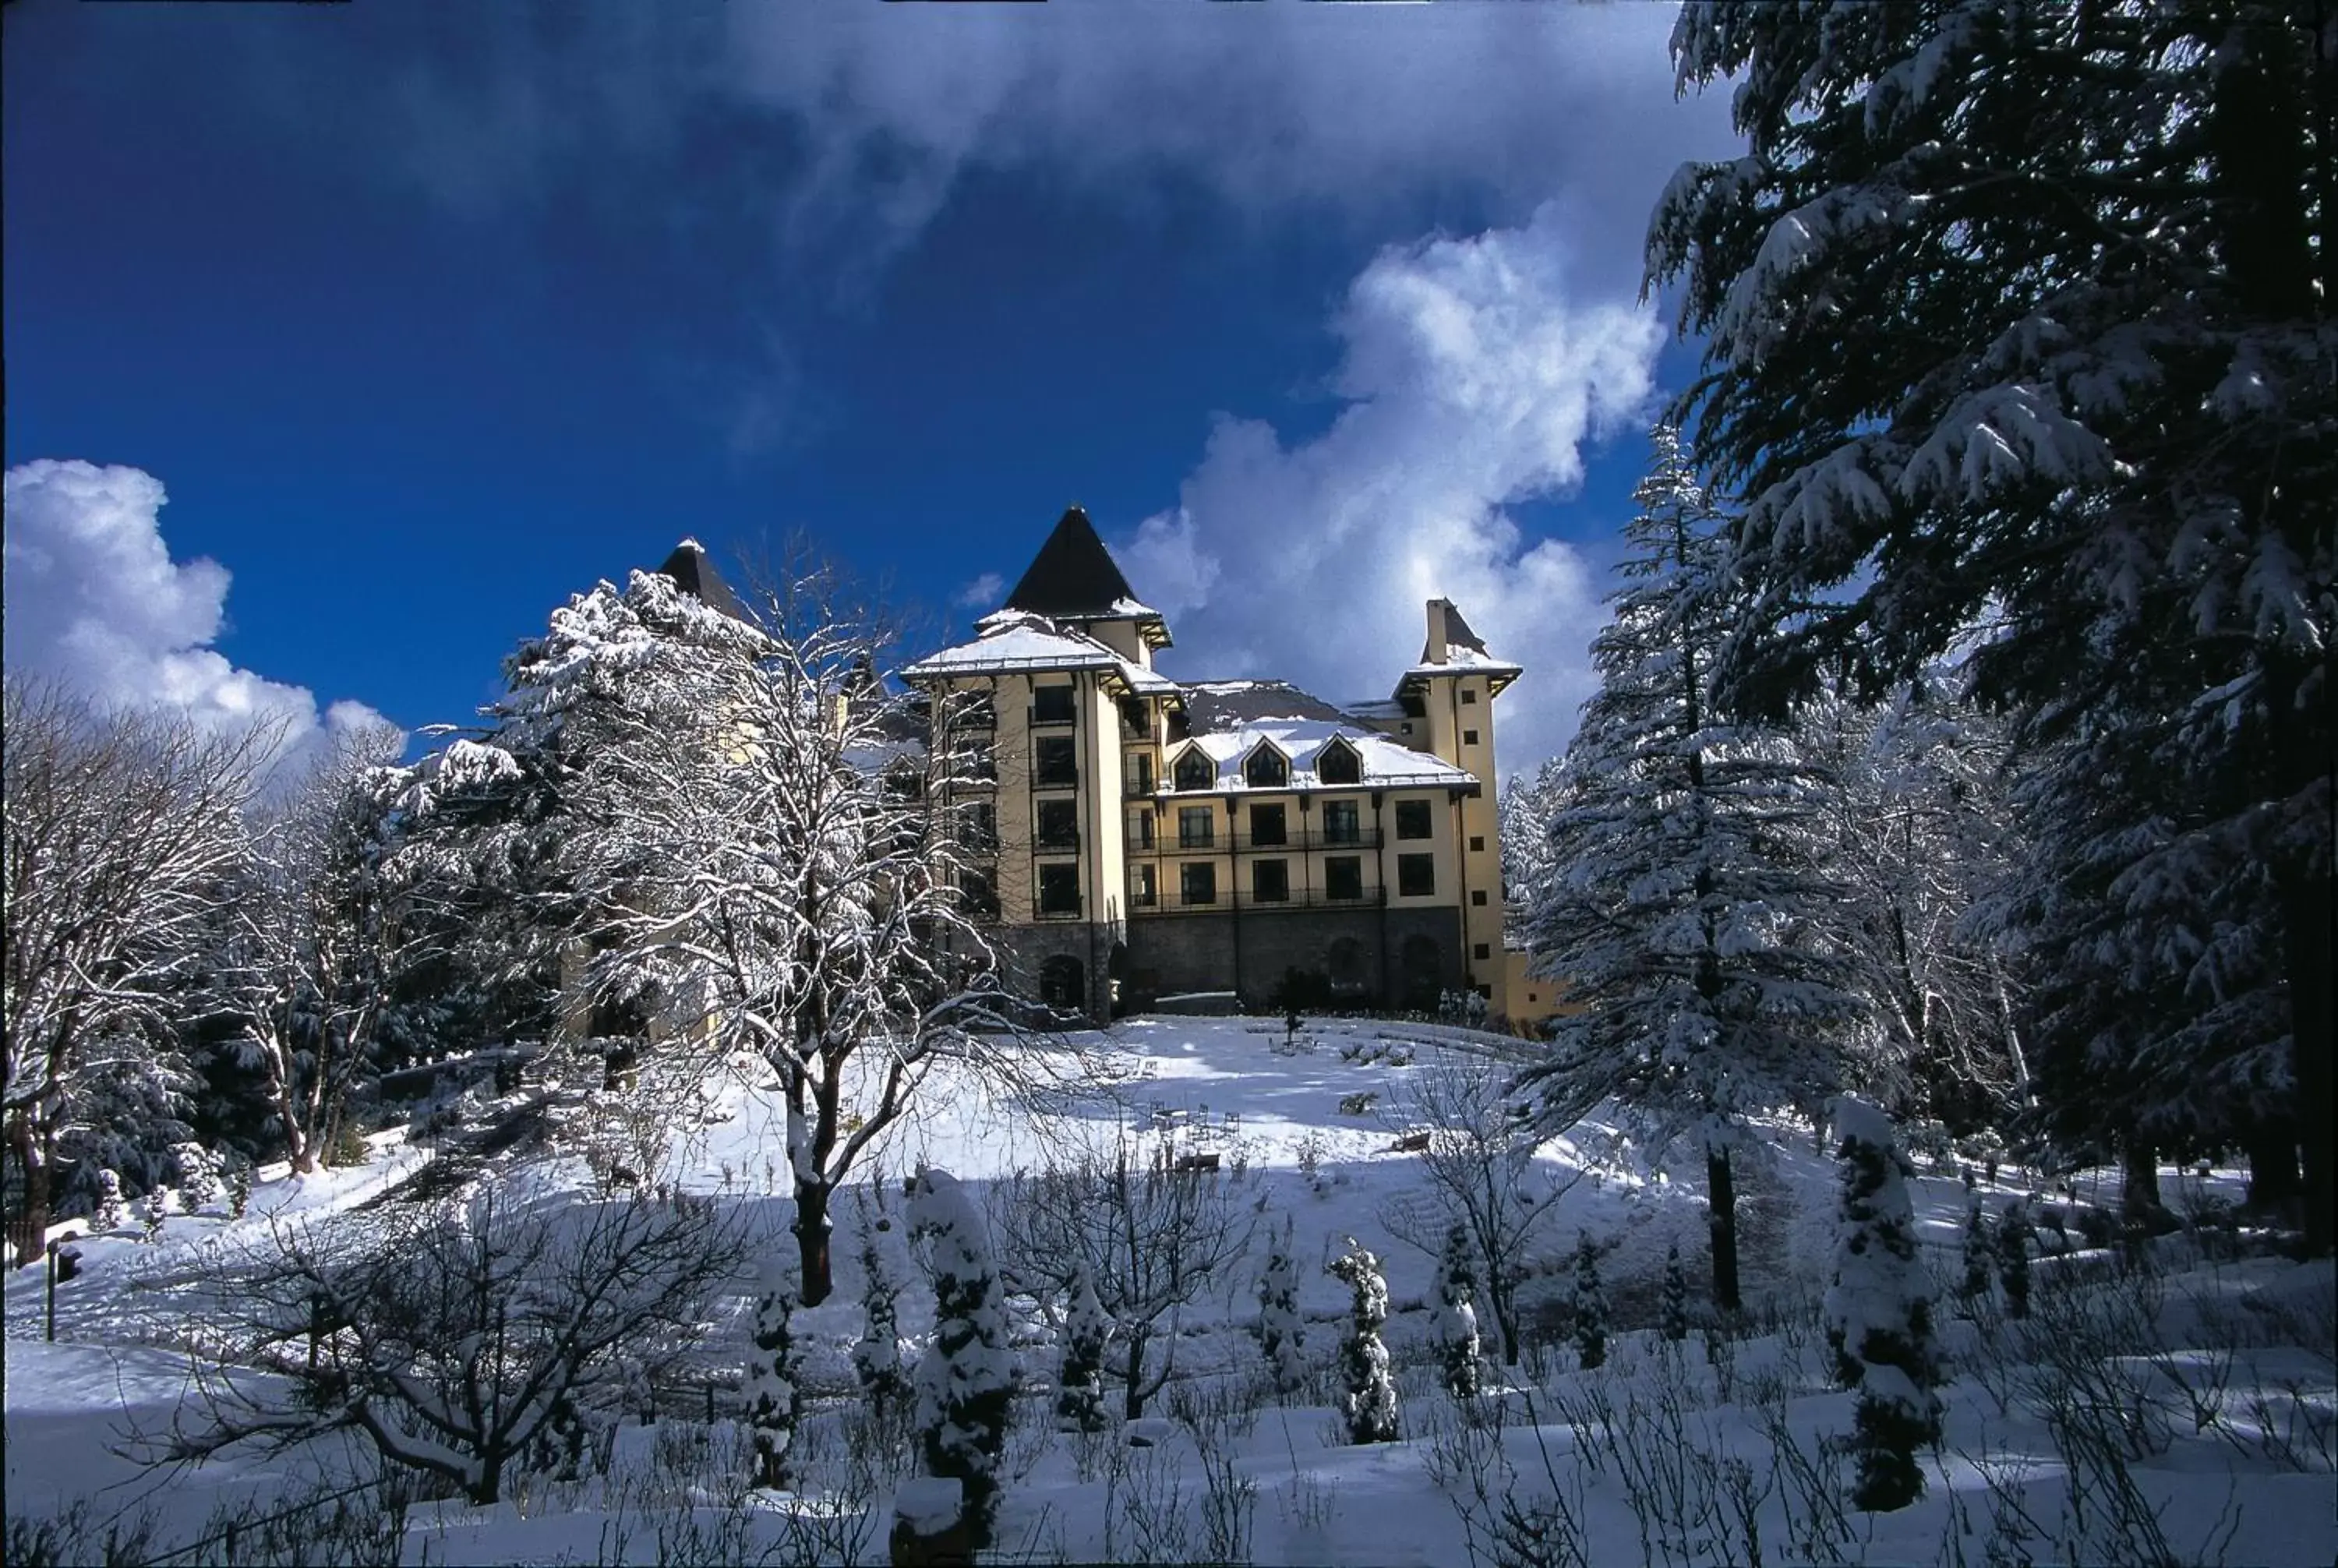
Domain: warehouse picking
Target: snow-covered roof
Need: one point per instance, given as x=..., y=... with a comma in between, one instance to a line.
x=1384, y=763
x=1458, y=657
x=1148, y=682
x=1016, y=641
x=1374, y=708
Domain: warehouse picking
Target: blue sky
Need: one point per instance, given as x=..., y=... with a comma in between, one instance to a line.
x=425, y=316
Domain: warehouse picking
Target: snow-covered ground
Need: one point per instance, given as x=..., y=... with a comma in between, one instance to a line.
x=2213, y=1384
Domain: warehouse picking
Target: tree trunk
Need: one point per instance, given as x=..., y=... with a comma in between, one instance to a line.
x=1505, y=1322
x=30, y=1228
x=1721, y=1202
x=2309, y=918
x=813, y=1232
x=1132, y=1396
x=2271, y=1146
x=2140, y=1180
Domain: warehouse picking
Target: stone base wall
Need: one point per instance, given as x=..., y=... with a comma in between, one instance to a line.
x=1378, y=957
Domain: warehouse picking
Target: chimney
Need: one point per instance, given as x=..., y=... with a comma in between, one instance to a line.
x=1435, y=653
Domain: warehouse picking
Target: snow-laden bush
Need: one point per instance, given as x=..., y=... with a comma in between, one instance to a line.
x=1455, y=1319
x=1590, y=1305
x=2013, y=1258
x=199, y=1175
x=772, y=1376
x=1079, y=1385
x=239, y=1187
x=108, y=1215
x=966, y=1382
x=1280, y=1334
x=1979, y=1254
x=876, y=1358
x=153, y=1209
x=1370, y=1403
x=1879, y=1313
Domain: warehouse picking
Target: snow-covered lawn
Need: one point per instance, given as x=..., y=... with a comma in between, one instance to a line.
x=2214, y=1377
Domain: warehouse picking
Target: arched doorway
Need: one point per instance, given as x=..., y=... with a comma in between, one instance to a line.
x=1421, y=963
x=1064, y=983
x=1344, y=967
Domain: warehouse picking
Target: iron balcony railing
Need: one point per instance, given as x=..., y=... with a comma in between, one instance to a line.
x=1174, y=901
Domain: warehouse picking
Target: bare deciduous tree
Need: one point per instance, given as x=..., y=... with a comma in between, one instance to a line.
x=1479, y=1160
x=451, y=1336
x=1149, y=1240
x=121, y=829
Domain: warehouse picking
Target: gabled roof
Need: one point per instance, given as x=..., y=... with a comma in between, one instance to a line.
x=694, y=574
x=1224, y=704
x=1075, y=578
x=1464, y=652
x=1456, y=634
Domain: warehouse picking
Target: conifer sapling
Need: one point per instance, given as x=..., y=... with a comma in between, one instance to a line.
x=1455, y=1325
x=772, y=1376
x=1590, y=1305
x=2013, y=1258
x=876, y=1358
x=966, y=1382
x=1979, y=1254
x=1370, y=1403
x=1878, y=1314
x=1675, y=1297
x=1079, y=1387
x=108, y=1215
x=1282, y=1335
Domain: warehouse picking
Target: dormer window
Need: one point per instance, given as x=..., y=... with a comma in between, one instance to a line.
x=1195, y=770
x=1339, y=764
x=1267, y=768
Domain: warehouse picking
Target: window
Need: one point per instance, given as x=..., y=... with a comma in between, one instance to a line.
x=1468, y=737
x=1144, y=893
x=1266, y=827
x=1197, y=826
x=1140, y=773
x=1057, y=759
x=1133, y=721
x=976, y=890
x=1195, y=770
x=1197, y=883
x=1483, y=950
x=978, y=826
x=1416, y=875
x=1344, y=878
x=1270, y=881
x=1468, y=696
x=1059, y=889
x=1051, y=705
x=1477, y=897
x=1140, y=829
x=1338, y=764
x=1412, y=820
x=1059, y=824
x=1266, y=769
x=1340, y=823
x=1477, y=842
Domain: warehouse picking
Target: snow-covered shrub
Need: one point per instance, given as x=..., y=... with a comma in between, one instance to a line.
x=1281, y=1333
x=2013, y=1258
x=199, y=1175
x=1456, y=1315
x=1465, y=1008
x=239, y=1187
x=1079, y=1385
x=1879, y=1313
x=153, y=1209
x=876, y=1358
x=1676, y=1295
x=1590, y=1305
x=966, y=1382
x=771, y=1376
x=108, y=1215
x=1370, y=1403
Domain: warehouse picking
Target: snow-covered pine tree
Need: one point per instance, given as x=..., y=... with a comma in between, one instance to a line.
x=199, y=1175
x=1675, y=1309
x=966, y=1381
x=153, y=1209
x=1687, y=907
x=1369, y=1402
x=1281, y=1333
x=1979, y=1255
x=1879, y=1312
x=1455, y=1320
x=772, y=1379
x=108, y=1216
x=1079, y=1384
x=876, y=1356
x=1590, y=1305
x=1930, y=383
x=239, y=1186
x=2012, y=1250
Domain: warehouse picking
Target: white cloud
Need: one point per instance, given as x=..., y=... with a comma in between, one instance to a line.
x=1473, y=375
x=94, y=603
x=983, y=594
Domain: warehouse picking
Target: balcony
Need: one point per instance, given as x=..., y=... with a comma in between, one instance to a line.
x=1305, y=842
x=1310, y=898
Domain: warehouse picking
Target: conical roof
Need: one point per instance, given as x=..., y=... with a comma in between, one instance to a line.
x=695, y=575
x=1074, y=576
